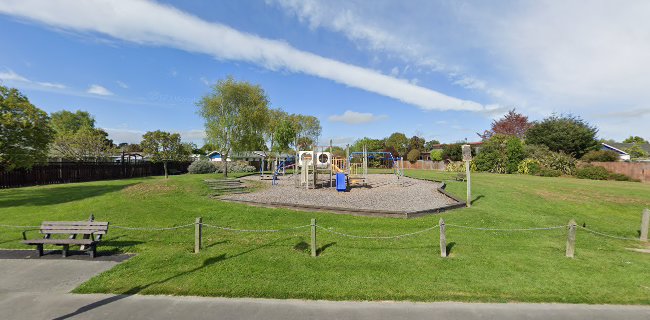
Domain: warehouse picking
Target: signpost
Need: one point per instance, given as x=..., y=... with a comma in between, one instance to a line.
x=467, y=157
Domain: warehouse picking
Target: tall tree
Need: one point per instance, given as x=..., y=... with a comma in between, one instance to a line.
x=67, y=121
x=512, y=124
x=399, y=142
x=165, y=147
x=85, y=144
x=569, y=134
x=236, y=116
x=285, y=135
x=371, y=144
x=24, y=131
x=308, y=128
x=635, y=139
x=416, y=143
x=428, y=146
x=276, y=117
x=77, y=138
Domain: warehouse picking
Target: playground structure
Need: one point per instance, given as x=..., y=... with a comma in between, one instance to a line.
x=318, y=168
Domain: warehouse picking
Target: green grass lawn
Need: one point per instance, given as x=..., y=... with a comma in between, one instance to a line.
x=483, y=265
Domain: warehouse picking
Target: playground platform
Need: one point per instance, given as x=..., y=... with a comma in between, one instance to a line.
x=385, y=196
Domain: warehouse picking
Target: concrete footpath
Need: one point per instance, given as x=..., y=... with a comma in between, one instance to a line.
x=38, y=289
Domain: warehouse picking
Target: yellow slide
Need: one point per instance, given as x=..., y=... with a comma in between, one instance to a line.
x=336, y=168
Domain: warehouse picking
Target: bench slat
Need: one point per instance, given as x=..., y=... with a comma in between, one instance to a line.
x=60, y=241
x=73, y=231
x=74, y=227
x=75, y=223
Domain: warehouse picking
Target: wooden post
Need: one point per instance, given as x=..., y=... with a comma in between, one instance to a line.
x=469, y=184
x=198, y=228
x=645, y=221
x=571, y=239
x=443, y=239
x=313, y=237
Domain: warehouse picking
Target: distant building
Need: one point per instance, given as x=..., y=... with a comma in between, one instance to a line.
x=620, y=148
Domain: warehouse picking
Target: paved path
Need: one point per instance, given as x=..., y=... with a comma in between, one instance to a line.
x=37, y=289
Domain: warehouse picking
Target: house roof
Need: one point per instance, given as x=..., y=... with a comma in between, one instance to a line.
x=620, y=147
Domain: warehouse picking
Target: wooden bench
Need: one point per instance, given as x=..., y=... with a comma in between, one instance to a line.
x=91, y=232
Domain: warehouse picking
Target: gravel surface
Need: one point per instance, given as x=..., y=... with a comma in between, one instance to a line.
x=386, y=194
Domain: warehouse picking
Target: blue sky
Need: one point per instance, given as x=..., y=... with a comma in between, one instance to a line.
x=439, y=69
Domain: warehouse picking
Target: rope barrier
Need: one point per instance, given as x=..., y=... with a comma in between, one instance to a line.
x=253, y=230
x=607, y=235
x=378, y=237
x=153, y=229
x=511, y=230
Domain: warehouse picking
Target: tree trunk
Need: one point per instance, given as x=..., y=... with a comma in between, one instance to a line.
x=225, y=166
x=165, y=166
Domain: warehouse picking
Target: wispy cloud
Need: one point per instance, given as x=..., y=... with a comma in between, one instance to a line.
x=11, y=76
x=139, y=21
x=353, y=117
x=99, y=90
x=122, y=84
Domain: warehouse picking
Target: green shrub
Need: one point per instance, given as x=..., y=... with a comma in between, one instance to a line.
x=593, y=173
x=436, y=155
x=460, y=166
x=551, y=160
x=619, y=177
x=546, y=172
x=202, y=166
x=500, y=154
x=529, y=166
x=600, y=156
x=413, y=156
x=453, y=152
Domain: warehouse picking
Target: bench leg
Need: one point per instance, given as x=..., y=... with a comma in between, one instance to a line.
x=92, y=251
x=64, y=250
x=39, y=250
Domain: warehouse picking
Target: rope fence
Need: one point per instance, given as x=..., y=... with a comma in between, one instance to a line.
x=198, y=225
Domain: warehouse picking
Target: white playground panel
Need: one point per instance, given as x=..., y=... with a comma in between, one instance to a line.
x=323, y=159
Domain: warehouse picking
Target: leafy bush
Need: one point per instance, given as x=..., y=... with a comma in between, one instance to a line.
x=453, y=152
x=529, y=166
x=600, y=156
x=563, y=162
x=436, y=155
x=413, y=156
x=636, y=151
x=500, y=154
x=619, y=177
x=593, y=173
x=460, y=166
x=546, y=172
x=564, y=133
x=202, y=166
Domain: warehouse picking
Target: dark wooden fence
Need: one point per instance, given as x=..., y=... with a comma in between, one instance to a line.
x=67, y=172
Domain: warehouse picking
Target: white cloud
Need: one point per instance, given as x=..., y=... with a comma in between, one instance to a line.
x=353, y=117
x=139, y=22
x=11, y=76
x=368, y=24
x=98, y=90
x=122, y=84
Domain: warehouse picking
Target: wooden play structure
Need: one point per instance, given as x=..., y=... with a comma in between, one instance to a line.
x=318, y=169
